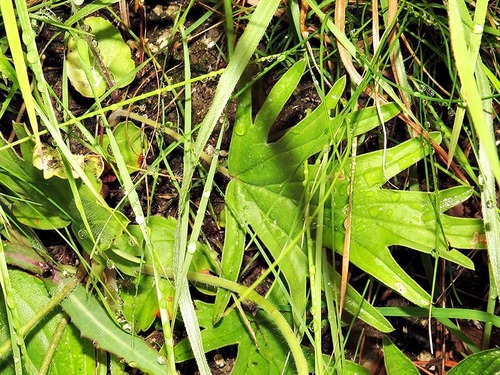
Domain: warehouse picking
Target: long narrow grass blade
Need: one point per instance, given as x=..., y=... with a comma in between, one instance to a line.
x=261, y=17
x=475, y=86
x=16, y=50
x=470, y=91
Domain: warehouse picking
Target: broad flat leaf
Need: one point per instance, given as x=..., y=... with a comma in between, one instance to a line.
x=382, y=218
x=267, y=194
x=268, y=174
x=132, y=140
x=140, y=301
x=104, y=53
x=396, y=362
x=49, y=203
x=272, y=356
x=95, y=324
x=73, y=355
x=485, y=362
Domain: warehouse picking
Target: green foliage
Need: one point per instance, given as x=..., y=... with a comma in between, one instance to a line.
x=98, y=57
x=51, y=203
x=73, y=354
x=396, y=362
x=132, y=144
x=266, y=352
x=485, y=362
x=272, y=198
x=267, y=194
x=94, y=323
x=140, y=302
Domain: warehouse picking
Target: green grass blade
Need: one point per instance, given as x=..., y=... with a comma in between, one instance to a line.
x=470, y=91
x=16, y=49
x=245, y=48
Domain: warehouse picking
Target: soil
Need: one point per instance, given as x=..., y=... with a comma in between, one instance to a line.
x=411, y=335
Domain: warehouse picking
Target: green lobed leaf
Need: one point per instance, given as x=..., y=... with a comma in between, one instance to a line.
x=267, y=192
x=267, y=174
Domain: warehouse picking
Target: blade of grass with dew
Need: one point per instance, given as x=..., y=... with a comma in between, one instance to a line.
x=316, y=272
x=261, y=17
x=16, y=50
x=475, y=86
x=135, y=203
x=491, y=217
x=489, y=208
x=470, y=92
x=202, y=207
x=182, y=295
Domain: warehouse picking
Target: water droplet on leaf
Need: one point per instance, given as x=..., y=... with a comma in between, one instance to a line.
x=240, y=128
x=191, y=247
x=161, y=360
x=372, y=177
x=374, y=211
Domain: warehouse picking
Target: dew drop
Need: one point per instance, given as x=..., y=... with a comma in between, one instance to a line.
x=139, y=219
x=477, y=29
x=312, y=271
x=28, y=38
x=132, y=241
x=32, y=57
x=374, y=211
x=360, y=227
x=240, y=128
x=191, y=247
x=370, y=194
x=489, y=204
x=206, y=194
x=395, y=197
x=110, y=264
x=372, y=177
x=82, y=234
x=480, y=180
x=10, y=301
x=400, y=288
x=161, y=360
